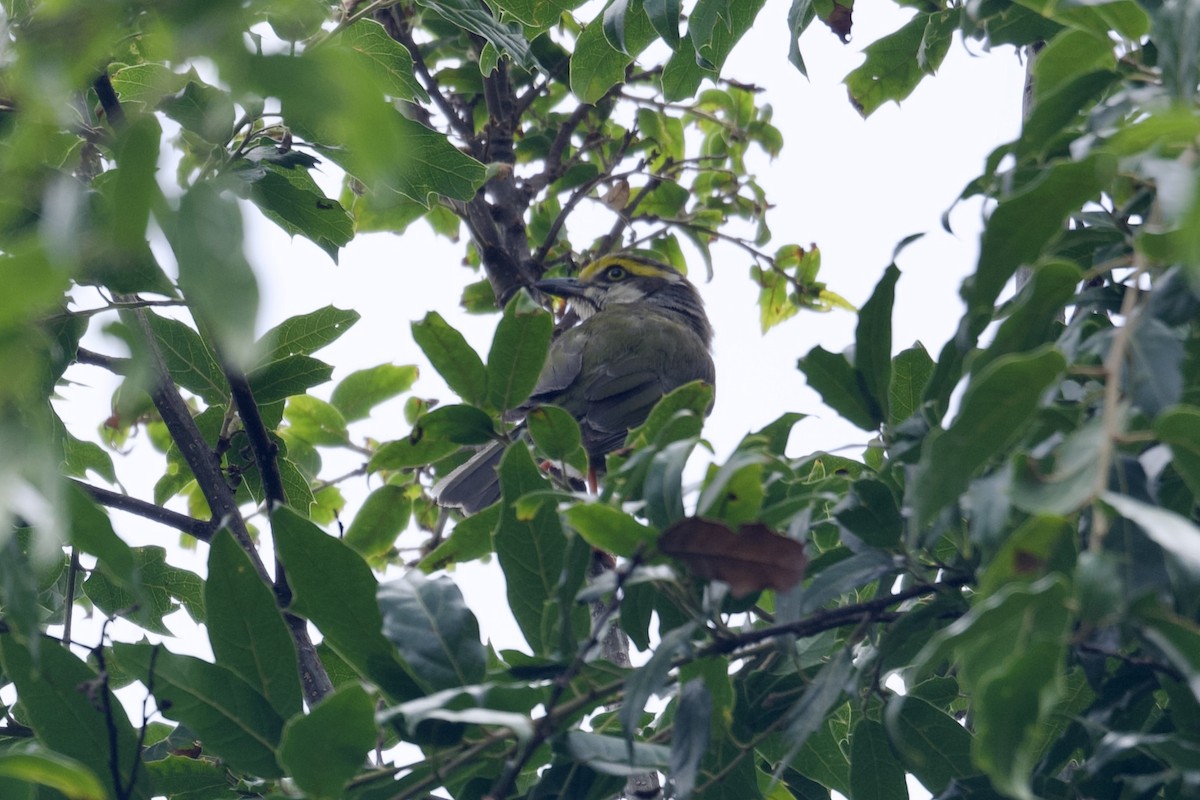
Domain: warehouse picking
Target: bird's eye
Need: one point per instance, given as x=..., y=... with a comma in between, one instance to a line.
x=614, y=273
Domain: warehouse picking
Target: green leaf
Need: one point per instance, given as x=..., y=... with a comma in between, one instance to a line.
x=875, y=774
x=555, y=432
x=362, y=390
x=188, y=778
x=734, y=492
x=1126, y=17
x=664, y=15
x=1179, y=428
x=189, y=361
x=315, y=421
x=614, y=24
x=20, y=586
x=650, y=678
x=800, y=16
x=693, y=728
x=873, y=341
x=911, y=370
x=448, y=351
x=230, y=718
x=36, y=286
x=1174, y=533
x=54, y=771
x=1155, y=377
x=823, y=759
x=1047, y=120
x=460, y=424
x=678, y=415
x=331, y=98
x=204, y=110
x=146, y=84
x=290, y=198
x=471, y=539
x=134, y=188
x=1039, y=545
x=996, y=410
x=1010, y=649
x=893, y=66
x=206, y=237
x=335, y=590
x=289, y=376
x=388, y=61
x=383, y=516
x=1033, y=320
x=416, y=450
x=1070, y=54
x=436, y=634
x=596, y=66
x=1028, y=219
x=79, y=456
x=934, y=746
x=808, y=714
x=715, y=26
x=65, y=719
x=92, y=532
x=162, y=588
x=326, y=748
x=518, y=353
x=537, y=14
x=305, y=334
x=531, y=549
x=477, y=19
x=609, y=529
x=870, y=512
x=612, y=755
x=838, y=383
x=246, y=630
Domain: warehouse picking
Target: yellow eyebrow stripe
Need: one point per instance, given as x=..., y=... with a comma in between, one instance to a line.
x=636, y=265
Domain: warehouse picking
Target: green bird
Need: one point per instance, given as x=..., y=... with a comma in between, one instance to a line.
x=642, y=332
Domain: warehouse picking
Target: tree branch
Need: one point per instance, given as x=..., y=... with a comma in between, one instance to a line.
x=109, y=101
x=546, y=725
x=199, y=528
x=221, y=499
x=821, y=621
x=119, y=366
x=396, y=24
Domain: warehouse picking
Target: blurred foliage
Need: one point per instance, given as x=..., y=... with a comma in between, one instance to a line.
x=1018, y=547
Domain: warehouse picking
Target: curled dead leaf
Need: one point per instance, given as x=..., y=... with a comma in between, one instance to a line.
x=753, y=559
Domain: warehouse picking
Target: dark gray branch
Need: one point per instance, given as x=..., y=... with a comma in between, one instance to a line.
x=199, y=528
x=206, y=468
x=120, y=366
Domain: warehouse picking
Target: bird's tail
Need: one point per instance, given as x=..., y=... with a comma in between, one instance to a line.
x=473, y=485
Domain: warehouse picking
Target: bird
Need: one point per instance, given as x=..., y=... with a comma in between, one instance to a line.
x=642, y=332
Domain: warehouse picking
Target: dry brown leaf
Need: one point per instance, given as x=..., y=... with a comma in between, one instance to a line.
x=753, y=559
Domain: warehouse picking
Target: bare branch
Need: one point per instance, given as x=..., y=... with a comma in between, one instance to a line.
x=397, y=25
x=114, y=364
x=221, y=499
x=199, y=528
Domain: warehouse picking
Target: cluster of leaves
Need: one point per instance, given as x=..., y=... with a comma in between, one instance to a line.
x=1024, y=558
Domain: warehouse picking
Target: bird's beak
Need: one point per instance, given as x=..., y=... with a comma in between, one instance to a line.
x=562, y=287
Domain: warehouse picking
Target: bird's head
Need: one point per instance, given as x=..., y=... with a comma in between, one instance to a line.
x=626, y=278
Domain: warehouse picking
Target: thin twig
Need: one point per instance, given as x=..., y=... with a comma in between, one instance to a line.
x=1111, y=412
x=69, y=599
x=546, y=725
x=402, y=33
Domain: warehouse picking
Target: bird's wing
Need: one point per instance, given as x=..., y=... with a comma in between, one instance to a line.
x=562, y=366
x=619, y=393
